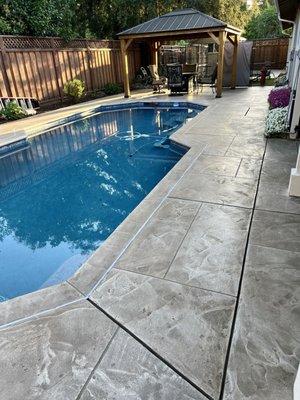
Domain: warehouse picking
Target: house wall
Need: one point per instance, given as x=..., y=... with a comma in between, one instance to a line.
x=294, y=114
x=294, y=72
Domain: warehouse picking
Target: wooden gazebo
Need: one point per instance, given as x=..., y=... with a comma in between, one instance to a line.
x=177, y=25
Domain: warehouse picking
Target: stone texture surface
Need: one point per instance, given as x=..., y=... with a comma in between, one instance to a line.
x=36, y=302
x=266, y=344
x=216, y=189
x=282, y=150
x=273, y=188
x=278, y=230
x=51, y=357
x=249, y=168
x=218, y=145
x=154, y=248
x=246, y=147
x=207, y=143
x=128, y=371
x=217, y=165
x=245, y=126
x=101, y=260
x=211, y=254
x=187, y=326
x=205, y=129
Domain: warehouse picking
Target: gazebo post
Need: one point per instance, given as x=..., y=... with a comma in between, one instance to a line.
x=154, y=53
x=234, y=61
x=124, y=46
x=222, y=38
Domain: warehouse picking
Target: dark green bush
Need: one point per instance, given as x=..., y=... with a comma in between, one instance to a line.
x=12, y=111
x=112, y=88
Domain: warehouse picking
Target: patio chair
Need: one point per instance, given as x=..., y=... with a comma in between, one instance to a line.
x=176, y=82
x=207, y=79
x=144, y=77
x=191, y=72
x=28, y=104
x=158, y=82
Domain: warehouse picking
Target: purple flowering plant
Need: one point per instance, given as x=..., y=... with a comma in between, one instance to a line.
x=279, y=97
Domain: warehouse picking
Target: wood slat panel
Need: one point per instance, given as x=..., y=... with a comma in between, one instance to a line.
x=27, y=69
x=3, y=91
x=271, y=51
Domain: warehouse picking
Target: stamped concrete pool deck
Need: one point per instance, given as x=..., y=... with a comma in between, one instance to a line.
x=194, y=296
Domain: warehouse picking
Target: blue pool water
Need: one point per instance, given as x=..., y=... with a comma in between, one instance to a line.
x=65, y=191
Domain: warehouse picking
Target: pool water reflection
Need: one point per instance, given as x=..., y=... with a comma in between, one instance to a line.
x=65, y=193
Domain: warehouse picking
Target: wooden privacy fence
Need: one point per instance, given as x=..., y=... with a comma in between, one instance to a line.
x=271, y=51
x=40, y=66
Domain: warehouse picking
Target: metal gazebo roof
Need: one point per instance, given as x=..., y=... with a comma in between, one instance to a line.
x=177, y=21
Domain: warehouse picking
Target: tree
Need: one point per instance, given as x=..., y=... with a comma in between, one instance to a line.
x=103, y=18
x=38, y=17
x=264, y=25
x=234, y=12
x=106, y=18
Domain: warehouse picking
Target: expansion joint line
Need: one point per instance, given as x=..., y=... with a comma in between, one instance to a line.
x=240, y=283
x=140, y=341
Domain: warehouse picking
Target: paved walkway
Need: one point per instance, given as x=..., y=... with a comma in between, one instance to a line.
x=204, y=303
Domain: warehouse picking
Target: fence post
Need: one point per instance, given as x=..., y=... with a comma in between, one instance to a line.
x=90, y=65
x=4, y=69
x=116, y=51
x=57, y=70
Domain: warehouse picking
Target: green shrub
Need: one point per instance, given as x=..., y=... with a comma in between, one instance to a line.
x=112, y=88
x=13, y=111
x=74, y=89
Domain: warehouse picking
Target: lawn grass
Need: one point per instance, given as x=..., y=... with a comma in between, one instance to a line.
x=269, y=82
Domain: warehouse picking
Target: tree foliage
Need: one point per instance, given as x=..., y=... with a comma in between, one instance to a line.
x=105, y=18
x=108, y=17
x=38, y=17
x=264, y=25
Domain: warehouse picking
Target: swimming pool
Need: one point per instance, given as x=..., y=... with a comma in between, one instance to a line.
x=64, y=192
